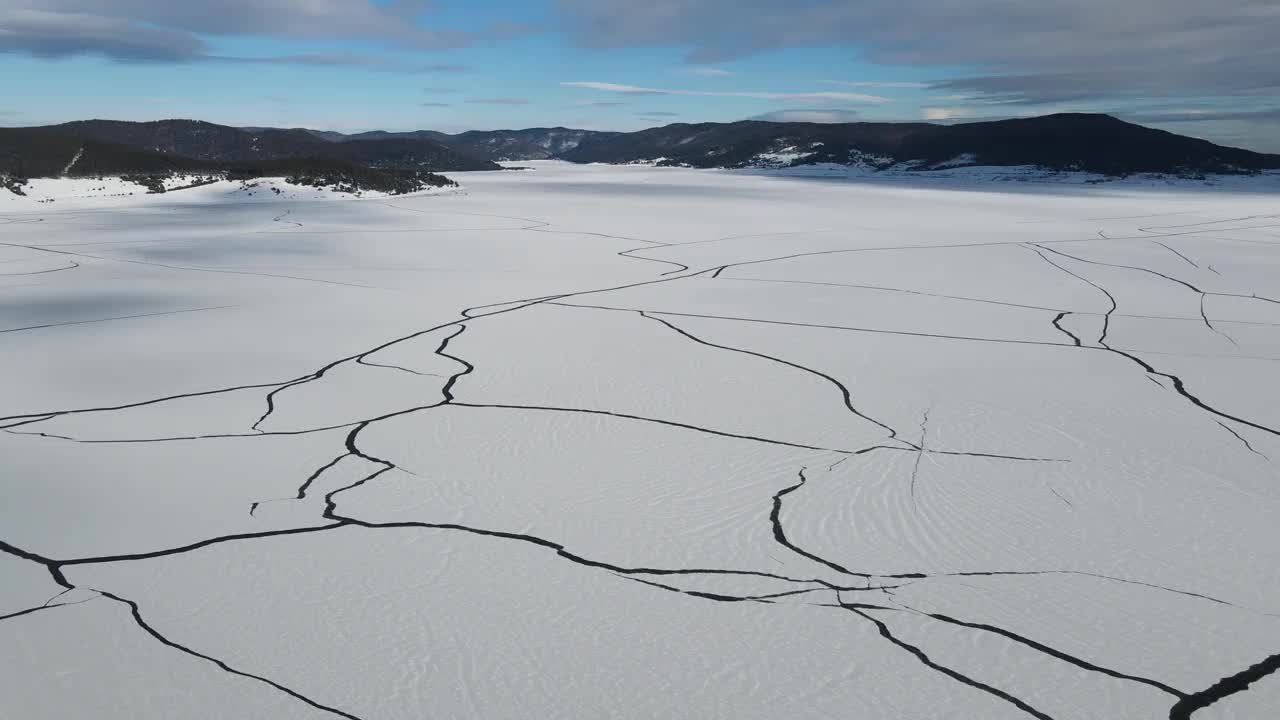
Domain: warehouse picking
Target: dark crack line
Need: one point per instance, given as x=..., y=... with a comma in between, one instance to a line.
x=1002, y=303
x=792, y=233
x=1057, y=322
x=331, y=513
x=351, y=441
x=318, y=374
x=55, y=567
x=953, y=453
x=466, y=315
x=1136, y=268
x=649, y=243
x=359, y=424
x=182, y=549
x=118, y=317
x=653, y=244
x=107, y=258
x=72, y=266
x=1253, y=296
x=47, y=606
x=881, y=288
x=915, y=468
x=42, y=607
x=711, y=596
x=766, y=598
x=822, y=327
x=1181, y=389
x=680, y=267
x=1175, y=252
x=26, y=420
x=467, y=368
x=136, y=612
x=920, y=655
x=1149, y=232
x=1229, y=685
x=1178, y=384
x=281, y=218
x=279, y=387
x=368, y=363
x=888, y=248
x=1242, y=439
x=669, y=423
x=331, y=506
x=780, y=534
x=1100, y=219
x=1081, y=573
x=31, y=418
x=1106, y=319
x=540, y=226
x=846, y=396
x=306, y=484
x=561, y=551
x=51, y=565
x=1053, y=652
x=529, y=302
x=182, y=438
x=352, y=438
x=1058, y=495
x=1210, y=325
x=1246, y=218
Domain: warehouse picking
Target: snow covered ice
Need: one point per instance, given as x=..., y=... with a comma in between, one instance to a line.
x=639, y=442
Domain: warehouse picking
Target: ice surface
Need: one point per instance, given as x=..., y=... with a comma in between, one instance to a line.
x=636, y=442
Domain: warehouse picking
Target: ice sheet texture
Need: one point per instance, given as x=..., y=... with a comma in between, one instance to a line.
x=587, y=442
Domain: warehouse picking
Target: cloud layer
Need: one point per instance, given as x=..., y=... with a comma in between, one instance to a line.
x=173, y=30
x=812, y=115
x=1027, y=51
x=799, y=96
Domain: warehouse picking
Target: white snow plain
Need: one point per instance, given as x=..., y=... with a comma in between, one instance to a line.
x=628, y=442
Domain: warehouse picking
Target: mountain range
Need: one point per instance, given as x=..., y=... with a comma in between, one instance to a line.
x=219, y=143
x=1086, y=142
x=147, y=153
x=495, y=145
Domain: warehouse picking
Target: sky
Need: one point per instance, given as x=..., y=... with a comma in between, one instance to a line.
x=1205, y=68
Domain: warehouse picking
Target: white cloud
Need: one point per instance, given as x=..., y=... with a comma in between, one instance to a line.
x=875, y=84
x=707, y=72
x=946, y=113
x=790, y=97
x=499, y=101
x=810, y=116
x=168, y=31
x=615, y=87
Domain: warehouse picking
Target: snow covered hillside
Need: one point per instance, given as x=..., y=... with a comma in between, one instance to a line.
x=115, y=192
x=634, y=442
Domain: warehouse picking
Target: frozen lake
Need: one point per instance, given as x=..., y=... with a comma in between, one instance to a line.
x=602, y=442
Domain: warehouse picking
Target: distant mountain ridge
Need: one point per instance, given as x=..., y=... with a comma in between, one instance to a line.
x=493, y=145
x=45, y=152
x=1086, y=142
x=1068, y=141
x=1062, y=142
x=198, y=140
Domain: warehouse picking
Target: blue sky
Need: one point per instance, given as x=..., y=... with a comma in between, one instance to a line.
x=353, y=65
